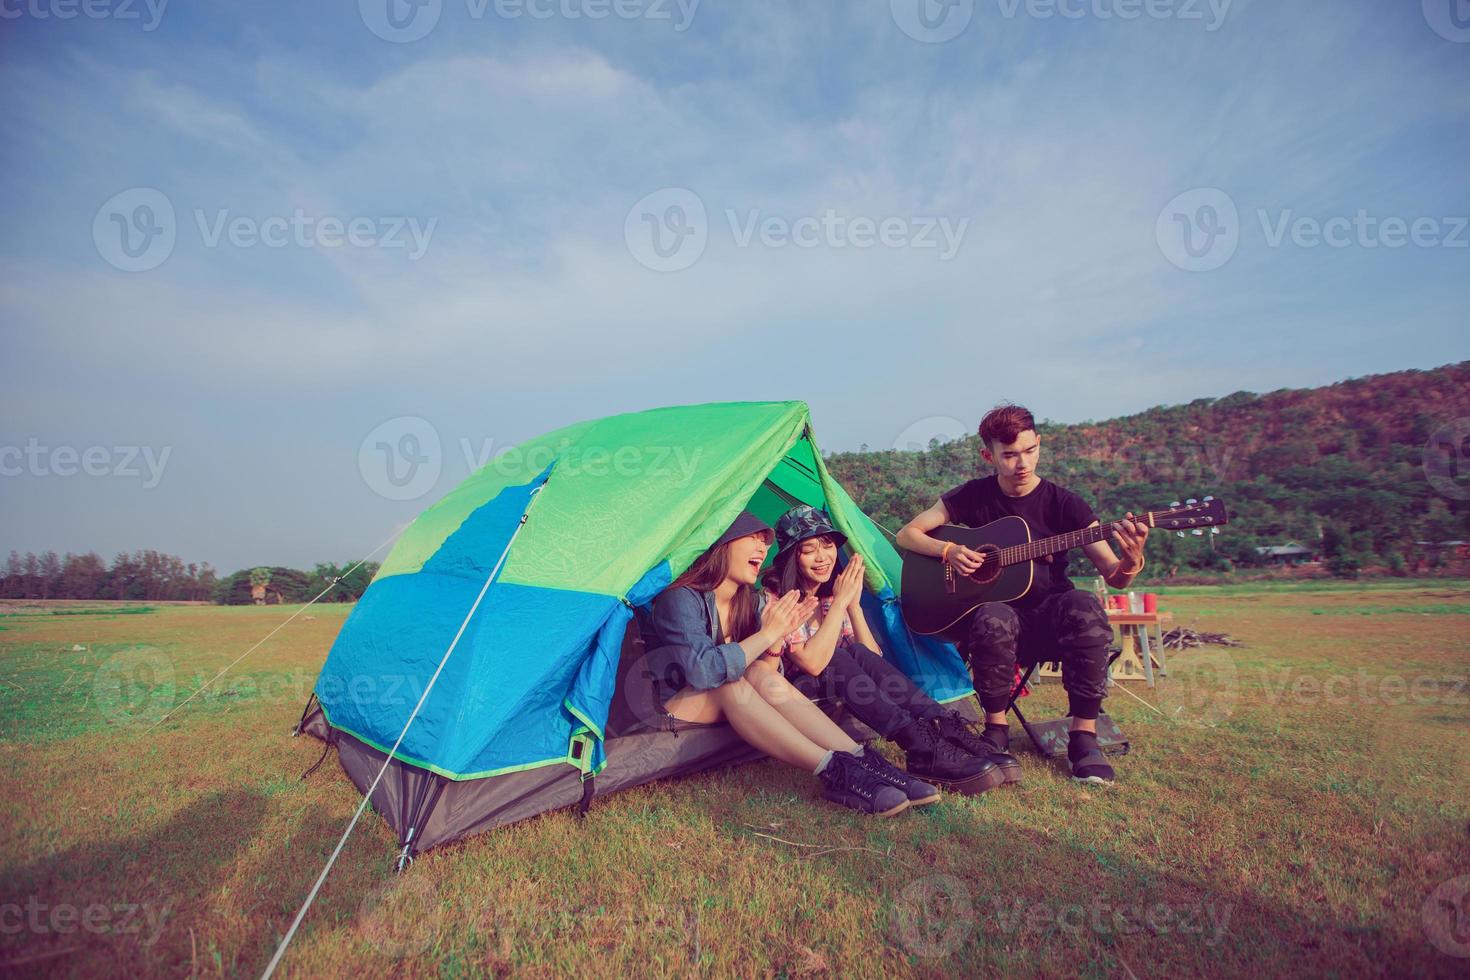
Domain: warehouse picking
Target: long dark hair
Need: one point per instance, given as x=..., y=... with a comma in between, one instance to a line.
x=785, y=573
x=706, y=575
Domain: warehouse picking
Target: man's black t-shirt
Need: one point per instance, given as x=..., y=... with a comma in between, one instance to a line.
x=1048, y=509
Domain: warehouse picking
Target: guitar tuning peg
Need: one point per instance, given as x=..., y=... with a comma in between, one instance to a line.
x=1176, y=504
x=1197, y=531
x=1180, y=533
x=1209, y=497
x=1191, y=501
x=1214, y=530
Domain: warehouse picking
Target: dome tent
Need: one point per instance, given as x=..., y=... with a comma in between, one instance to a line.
x=541, y=702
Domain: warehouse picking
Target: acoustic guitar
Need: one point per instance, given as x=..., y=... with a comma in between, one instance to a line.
x=937, y=599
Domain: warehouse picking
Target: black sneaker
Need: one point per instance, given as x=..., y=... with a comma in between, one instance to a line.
x=1089, y=765
x=848, y=782
x=935, y=759
x=918, y=791
x=958, y=729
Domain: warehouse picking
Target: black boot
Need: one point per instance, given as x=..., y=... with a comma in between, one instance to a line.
x=994, y=745
x=935, y=759
x=1089, y=765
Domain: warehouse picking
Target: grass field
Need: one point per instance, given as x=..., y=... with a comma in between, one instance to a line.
x=1295, y=805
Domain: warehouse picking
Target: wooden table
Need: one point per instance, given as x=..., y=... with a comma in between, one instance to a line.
x=1133, y=627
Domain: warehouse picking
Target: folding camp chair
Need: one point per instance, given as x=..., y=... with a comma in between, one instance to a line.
x=1050, y=737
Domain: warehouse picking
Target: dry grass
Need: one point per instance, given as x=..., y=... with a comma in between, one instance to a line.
x=1289, y=806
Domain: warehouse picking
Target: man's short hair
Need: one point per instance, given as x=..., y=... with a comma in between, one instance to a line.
x=1004, y=423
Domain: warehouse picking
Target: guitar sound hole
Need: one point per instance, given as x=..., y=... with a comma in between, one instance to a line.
x=990, y=570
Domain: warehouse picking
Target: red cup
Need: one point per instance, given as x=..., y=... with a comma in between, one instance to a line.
x=1150, y=602
x=1118, y=601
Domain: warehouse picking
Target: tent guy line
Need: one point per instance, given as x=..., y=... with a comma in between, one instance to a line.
x=230, y=666
x=270, y=968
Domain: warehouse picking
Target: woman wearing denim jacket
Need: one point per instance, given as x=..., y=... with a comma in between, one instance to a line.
x=836, y=647
x=709, y=644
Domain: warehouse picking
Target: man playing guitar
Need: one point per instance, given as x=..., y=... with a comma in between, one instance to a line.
x=1052, y=618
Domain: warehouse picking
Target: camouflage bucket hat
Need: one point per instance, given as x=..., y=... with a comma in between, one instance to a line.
x=800, y=523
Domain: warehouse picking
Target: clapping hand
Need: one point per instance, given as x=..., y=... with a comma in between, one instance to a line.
x=847, y=591
x=783, y=615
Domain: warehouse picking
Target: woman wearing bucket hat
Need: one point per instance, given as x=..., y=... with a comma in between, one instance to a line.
x=707, y=630
x=836, y=647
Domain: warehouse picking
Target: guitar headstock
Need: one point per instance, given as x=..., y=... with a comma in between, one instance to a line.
x=1191, y=514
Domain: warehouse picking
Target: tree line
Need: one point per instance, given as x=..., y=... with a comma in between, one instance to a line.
x=152, y=576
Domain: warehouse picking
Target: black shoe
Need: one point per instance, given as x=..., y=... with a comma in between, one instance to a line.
x=935, y=759
x=956, y=728
x=918, y=791
x=848, y=782
x=1089, y=765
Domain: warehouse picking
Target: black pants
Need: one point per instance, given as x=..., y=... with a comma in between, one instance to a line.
x=877, y=692
x=1066, y=626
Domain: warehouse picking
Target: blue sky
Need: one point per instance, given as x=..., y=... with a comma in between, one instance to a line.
x=852, y=207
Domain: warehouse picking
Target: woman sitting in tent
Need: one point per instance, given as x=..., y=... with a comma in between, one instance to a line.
x=836, y=647
x=708, y=630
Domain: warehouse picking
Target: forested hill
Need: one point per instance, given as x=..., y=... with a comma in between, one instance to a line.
x=1339, y=469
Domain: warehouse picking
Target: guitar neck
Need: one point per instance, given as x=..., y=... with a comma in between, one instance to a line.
x=1042, y=547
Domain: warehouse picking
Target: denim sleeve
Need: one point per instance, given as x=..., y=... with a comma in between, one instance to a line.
x=679, y=622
